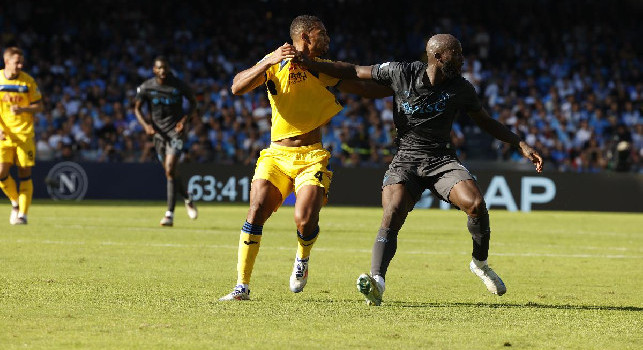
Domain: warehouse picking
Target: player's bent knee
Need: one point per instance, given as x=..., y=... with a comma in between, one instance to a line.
x=258, y=213
x=475, y=207
x=306, y=223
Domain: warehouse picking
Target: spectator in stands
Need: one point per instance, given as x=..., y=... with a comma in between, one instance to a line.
x=599, y=70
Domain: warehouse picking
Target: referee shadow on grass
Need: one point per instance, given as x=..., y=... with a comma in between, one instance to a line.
x=529, y=305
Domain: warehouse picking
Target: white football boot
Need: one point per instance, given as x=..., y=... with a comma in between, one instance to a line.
x=191, y=208
x=299, y=276
x=491, y=280
x=240, y=292
x=167, y=221
x=14, y=215
x=21, y=220
x=372, y=288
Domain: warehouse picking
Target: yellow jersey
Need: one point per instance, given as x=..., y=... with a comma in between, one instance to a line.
x=21, y=91
x=299, y=99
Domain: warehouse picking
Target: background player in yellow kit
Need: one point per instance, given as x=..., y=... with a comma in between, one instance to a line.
x=20, y=99
x=295, y=160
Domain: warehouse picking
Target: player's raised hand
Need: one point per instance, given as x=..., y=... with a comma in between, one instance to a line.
x=532, y=155
x=285, y=51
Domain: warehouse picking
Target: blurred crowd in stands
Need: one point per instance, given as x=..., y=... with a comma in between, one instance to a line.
x=565, y=75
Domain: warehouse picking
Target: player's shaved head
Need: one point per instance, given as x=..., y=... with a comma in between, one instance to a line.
x=444, y=52
x=303, y=24
x=441, y=42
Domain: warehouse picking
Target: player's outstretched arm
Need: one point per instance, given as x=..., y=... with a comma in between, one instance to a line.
x=341, y=70
x=502, y=133
x=364, y=88
x=252, y=77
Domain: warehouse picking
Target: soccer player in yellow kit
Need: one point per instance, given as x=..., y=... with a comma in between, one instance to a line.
x=20, y=99
x=295, y=160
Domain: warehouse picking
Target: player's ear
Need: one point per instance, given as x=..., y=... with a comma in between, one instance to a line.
x=305, y=37
x=438, y=56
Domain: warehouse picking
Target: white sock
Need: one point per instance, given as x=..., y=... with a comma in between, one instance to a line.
x=14, y=204
x=169, y=214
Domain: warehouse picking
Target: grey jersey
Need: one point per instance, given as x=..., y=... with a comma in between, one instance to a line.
x=423, y=113
x=165, y=103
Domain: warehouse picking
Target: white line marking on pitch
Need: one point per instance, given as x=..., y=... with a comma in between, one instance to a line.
x=411, y=240
x=216, y=246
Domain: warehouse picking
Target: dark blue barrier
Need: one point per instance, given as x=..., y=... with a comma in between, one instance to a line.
x=144, y=181
x=511, y=190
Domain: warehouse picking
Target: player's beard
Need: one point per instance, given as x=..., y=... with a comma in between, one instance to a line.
x=323, y=48
x=451, y=70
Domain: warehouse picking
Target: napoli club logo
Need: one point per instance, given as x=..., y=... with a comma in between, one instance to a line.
x=67, y=181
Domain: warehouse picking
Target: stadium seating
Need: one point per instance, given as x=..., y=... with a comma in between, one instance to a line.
x=566, y=76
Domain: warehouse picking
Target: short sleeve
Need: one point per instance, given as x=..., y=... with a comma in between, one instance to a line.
x=140, y=93
x=386, y=73
x=471, y=100
x=34, y=92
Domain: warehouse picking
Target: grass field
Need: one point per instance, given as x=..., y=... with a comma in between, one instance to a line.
x=104, y=275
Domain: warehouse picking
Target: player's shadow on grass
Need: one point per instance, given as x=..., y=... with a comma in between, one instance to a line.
x=529, y=305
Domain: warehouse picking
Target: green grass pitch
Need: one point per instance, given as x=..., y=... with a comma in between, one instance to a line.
x=105, y=275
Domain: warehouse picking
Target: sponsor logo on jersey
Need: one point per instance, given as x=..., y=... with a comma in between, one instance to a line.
x=427, y=107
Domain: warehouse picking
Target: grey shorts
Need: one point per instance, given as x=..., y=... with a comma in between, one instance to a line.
x=418, y=172
x=167, y=146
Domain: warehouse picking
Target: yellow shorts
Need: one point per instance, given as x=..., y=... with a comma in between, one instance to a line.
x=18, y=151
x=291, y=168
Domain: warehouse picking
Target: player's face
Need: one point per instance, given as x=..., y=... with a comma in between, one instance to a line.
x=452, y=62
x=13, y=64
x=319, y=40
x=160, y=69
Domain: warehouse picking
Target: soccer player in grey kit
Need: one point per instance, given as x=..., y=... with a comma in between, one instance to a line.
x=164, y=95
x=427, y=98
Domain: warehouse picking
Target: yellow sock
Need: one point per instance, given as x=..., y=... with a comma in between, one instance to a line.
x=248, y=249
x=26, y=192
x=306, y=244
x=9, y=188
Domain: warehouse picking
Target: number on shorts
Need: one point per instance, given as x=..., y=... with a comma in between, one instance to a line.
x=319, y=175
x=176, y=144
